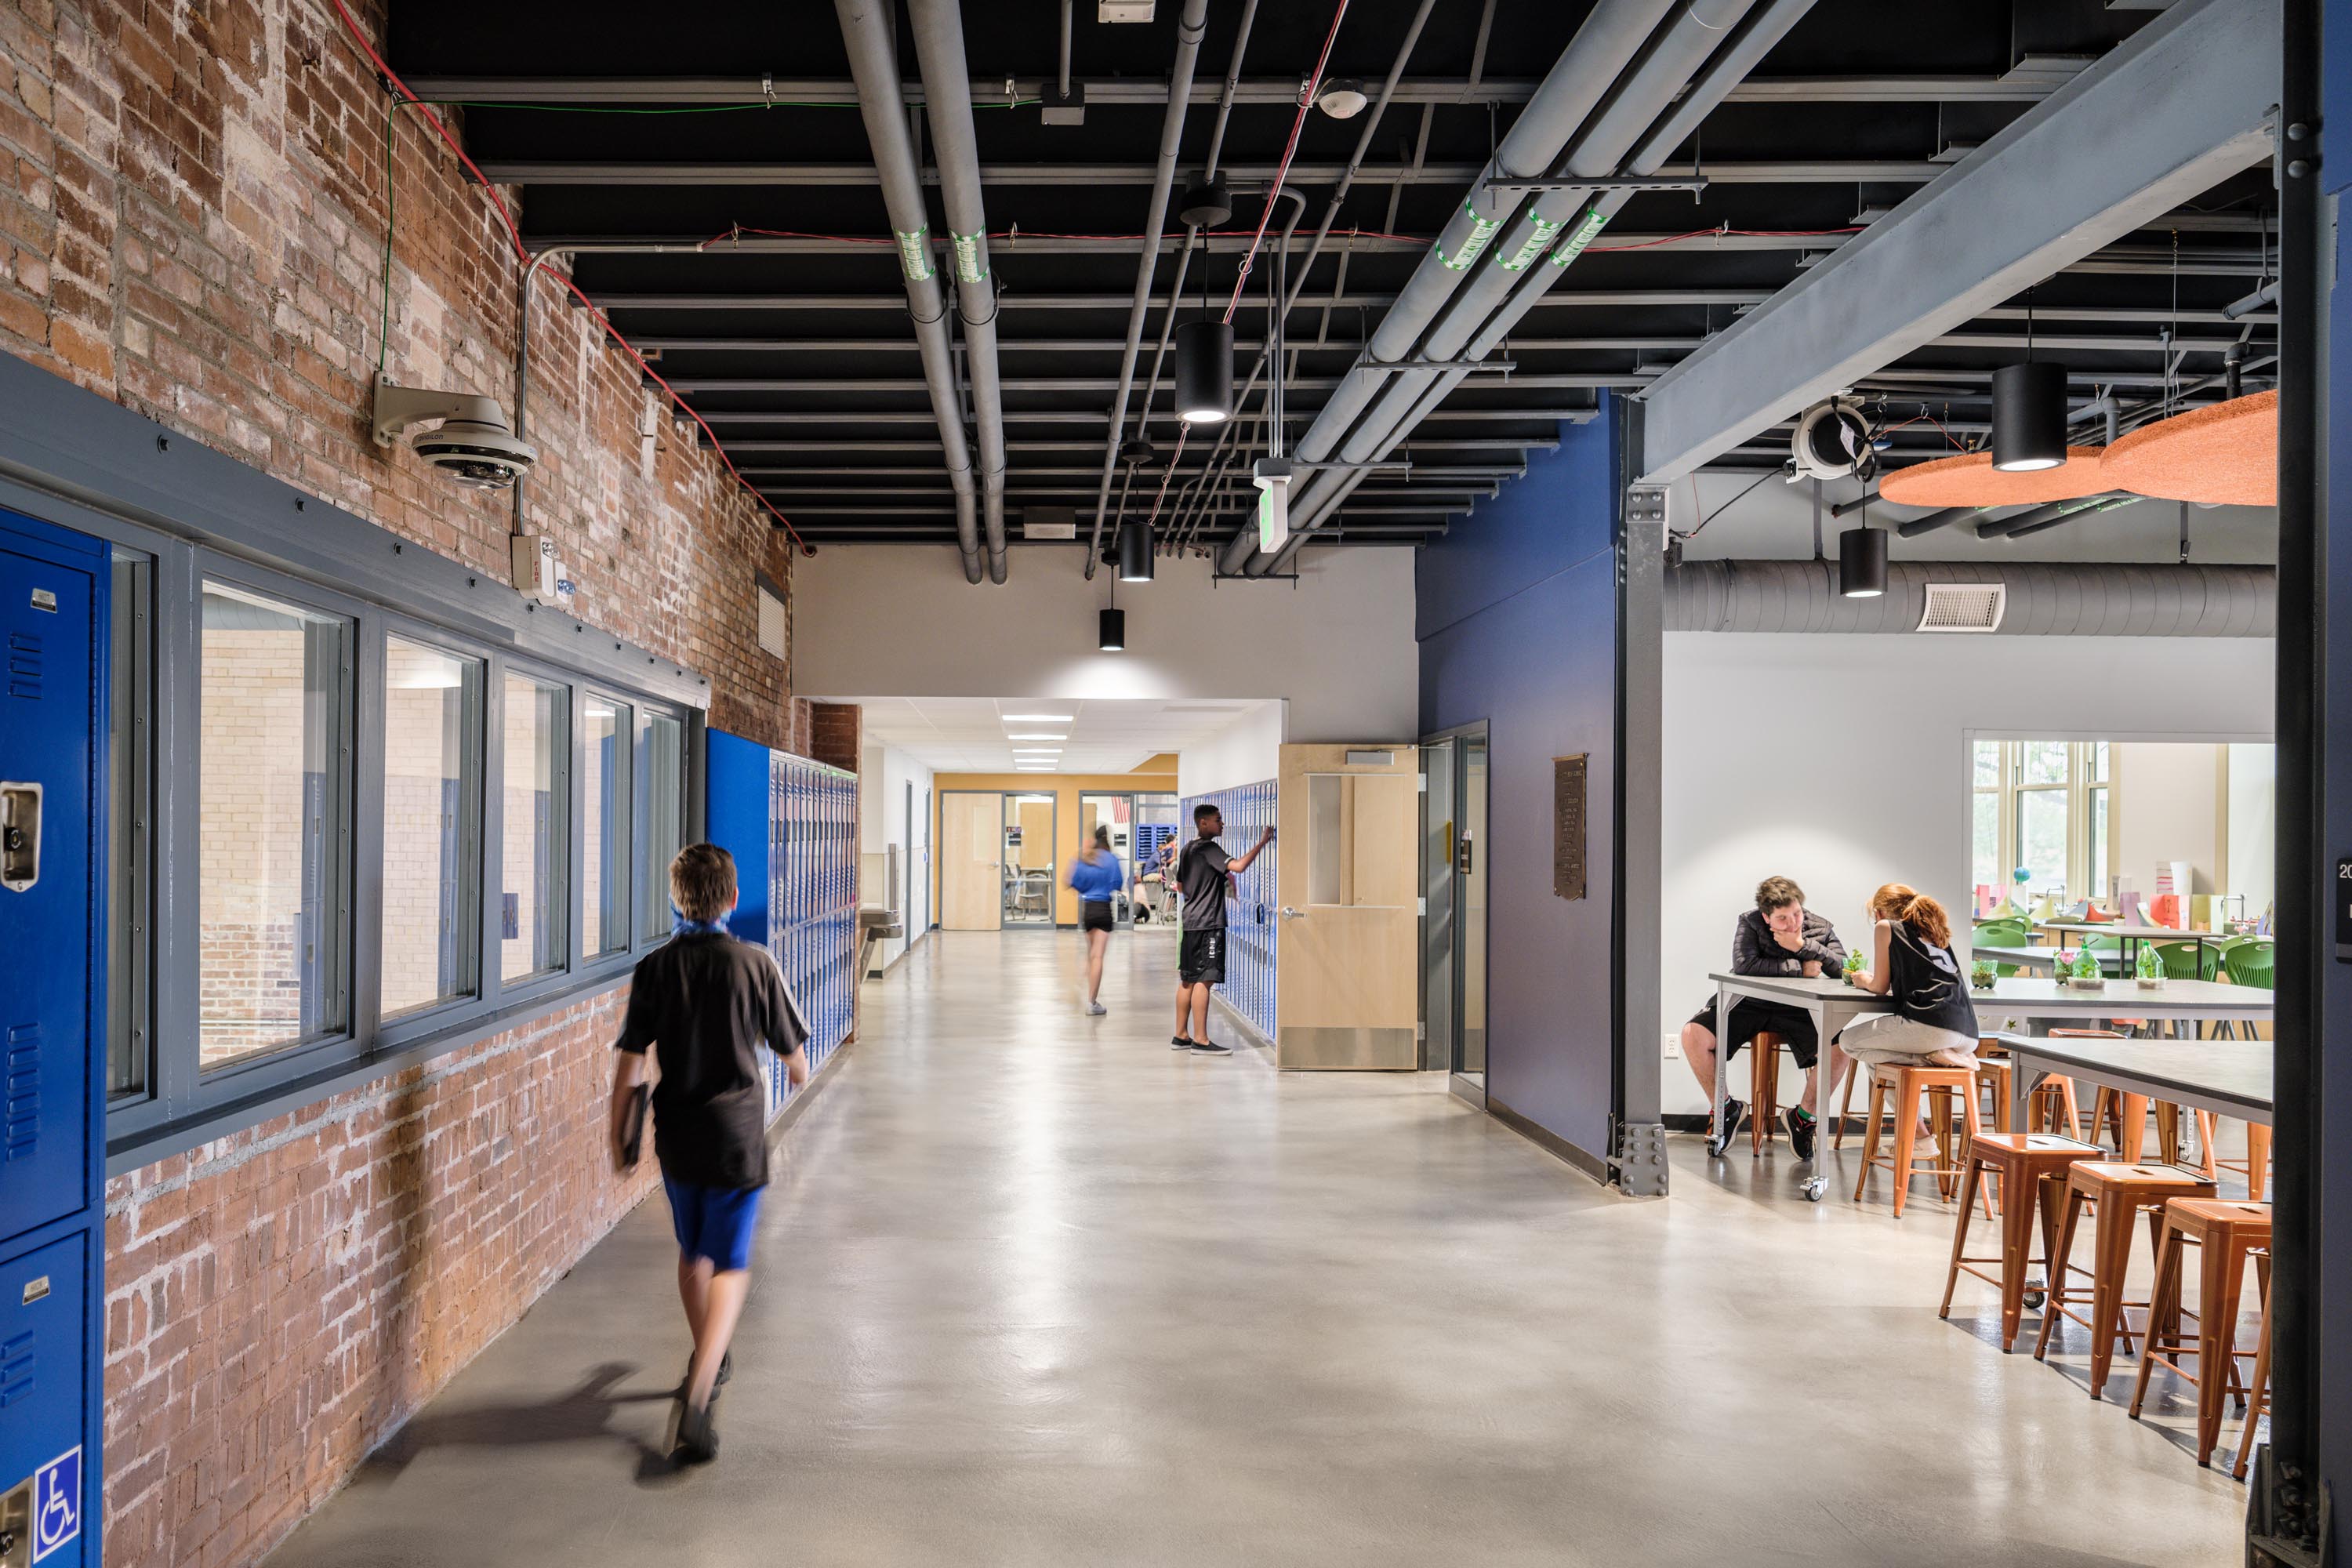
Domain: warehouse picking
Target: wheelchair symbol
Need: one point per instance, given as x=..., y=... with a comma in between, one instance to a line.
x=57, y=1503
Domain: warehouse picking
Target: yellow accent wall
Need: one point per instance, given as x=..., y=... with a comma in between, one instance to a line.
x=1156, y=776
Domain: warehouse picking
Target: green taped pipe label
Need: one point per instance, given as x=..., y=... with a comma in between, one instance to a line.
x=915, y=254
x=1537, y=242
x=967, y=254
x=1482, y=230
x=1573, y=246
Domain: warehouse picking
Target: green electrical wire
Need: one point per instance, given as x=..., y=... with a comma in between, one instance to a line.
x=384, y=332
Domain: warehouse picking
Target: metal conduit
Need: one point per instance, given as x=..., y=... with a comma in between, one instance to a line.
x=865, y=29
x=2045, y=598
x=1190, y=28
x=1683, y=76
x=947, y=96
x=1595, y=58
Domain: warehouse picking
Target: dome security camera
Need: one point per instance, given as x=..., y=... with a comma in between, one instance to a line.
x=473, y=443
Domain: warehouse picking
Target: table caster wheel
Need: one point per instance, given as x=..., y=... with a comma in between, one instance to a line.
x=1814, y=1187
x=2034, y=1300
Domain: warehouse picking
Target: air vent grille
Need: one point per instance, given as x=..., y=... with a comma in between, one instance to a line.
x=1964, y=607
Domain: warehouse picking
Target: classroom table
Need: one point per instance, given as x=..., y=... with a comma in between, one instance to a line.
x=2228, y=1077
x=2038, y=958
x=2131, y=936
x=1833, y=1005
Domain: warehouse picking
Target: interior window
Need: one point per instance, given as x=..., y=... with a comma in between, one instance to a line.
x=534, y=796
x=432, y=789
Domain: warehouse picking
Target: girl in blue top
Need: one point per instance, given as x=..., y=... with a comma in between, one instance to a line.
x=1095, y=876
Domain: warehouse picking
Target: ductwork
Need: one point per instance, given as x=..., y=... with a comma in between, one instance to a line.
x=946, y=97
x=1191, y=25
x=2044, y=598
x=1704, y=37
x=865, y=29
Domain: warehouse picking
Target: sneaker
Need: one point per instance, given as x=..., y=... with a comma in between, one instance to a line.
x=1178, y=1042
x=726, y=1371
x=1802, y=1129
x=1211, y=1048
x=1735, y=1116
x=1096, y=1009
x=698, y=1435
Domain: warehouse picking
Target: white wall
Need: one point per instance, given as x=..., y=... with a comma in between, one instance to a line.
x=2253, y=826
x=2167, y=807
x=1247, y=750
x=885, y=774
x=1842, y=762
x=900, y=621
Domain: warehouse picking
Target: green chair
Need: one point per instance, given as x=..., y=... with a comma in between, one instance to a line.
x=2251, y=961
x=2180, y=960
x=2000, y=933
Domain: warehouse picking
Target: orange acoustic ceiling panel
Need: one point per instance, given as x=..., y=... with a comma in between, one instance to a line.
x=1970, y=479
x=2223, y=455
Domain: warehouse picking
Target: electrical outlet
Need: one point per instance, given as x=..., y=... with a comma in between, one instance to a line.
x=1673, y=1048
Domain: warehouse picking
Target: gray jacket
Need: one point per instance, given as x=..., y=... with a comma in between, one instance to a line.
x=1756, y=951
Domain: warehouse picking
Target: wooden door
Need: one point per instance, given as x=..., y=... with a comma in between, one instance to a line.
x=1347, y=946
x=972, y=882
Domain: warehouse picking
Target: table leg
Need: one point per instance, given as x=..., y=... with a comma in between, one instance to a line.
x=2134, y=1115
x=1818, y=1181
x=1722, y=1033
x=2021, y=1085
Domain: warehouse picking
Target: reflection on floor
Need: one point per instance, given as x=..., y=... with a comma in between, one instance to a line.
x=1038, y=1290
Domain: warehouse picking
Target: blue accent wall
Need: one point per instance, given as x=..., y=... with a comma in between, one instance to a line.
x=1518, y=623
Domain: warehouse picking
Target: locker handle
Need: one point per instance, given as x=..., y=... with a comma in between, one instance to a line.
x=20, y=834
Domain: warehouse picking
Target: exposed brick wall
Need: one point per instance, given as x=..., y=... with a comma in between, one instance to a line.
x=193, y=218
x=836, y=734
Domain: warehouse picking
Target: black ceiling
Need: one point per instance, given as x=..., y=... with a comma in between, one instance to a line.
x=795, y=346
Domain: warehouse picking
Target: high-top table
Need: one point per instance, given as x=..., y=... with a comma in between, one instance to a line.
x=2039, y=958
x=2131, y=936
x=2228, y=1077
x=1833, y=1005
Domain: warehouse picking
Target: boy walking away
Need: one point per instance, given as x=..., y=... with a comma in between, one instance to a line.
x=707, y=1003
x=1781, y=937
x=1204, y=872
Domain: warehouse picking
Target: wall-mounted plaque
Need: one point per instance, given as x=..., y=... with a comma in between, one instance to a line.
x=1568, y=826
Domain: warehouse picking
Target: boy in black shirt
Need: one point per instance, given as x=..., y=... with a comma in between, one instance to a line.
x=709, y=1002
x=1202, y=873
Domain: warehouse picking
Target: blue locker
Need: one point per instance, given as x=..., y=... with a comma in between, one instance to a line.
x=1251, y=910
x=53, y=609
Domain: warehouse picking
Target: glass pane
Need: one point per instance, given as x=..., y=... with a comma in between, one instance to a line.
x=273, y=825
x=430, y=783
x=2098, y=844
x=129, y=757
x=2094, y=759
x=1984, y=858
x=2045, y=762
x=2042, y=839
x=1029, y=860
x=1987, y=765
x=605, y=892
x=531, y=893
x=661, y=817
x=1354, y=822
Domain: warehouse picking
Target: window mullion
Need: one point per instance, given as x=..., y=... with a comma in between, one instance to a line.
x=366, y=878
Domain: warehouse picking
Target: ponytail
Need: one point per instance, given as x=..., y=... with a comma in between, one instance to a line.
x=1915, y=910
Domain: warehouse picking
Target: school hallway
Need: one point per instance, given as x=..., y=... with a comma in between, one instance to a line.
x=1033, y=1288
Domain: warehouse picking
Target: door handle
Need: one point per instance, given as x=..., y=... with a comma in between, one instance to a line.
x=1290, y=914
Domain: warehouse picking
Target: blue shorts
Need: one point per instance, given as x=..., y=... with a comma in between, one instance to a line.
x=714, y=1222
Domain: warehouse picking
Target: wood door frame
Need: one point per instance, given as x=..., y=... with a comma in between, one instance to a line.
x=938, y=834
x=1315, y=1042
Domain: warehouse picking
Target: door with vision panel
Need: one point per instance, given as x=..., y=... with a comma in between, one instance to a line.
x=971, y=881
x=1348, y=943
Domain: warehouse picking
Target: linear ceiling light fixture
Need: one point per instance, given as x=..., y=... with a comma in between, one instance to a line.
x=1036, y=717
x=1031, y=735
x=2029, y=410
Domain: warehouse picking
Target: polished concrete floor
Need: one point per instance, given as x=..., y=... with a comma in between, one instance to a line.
x=1034, y=1290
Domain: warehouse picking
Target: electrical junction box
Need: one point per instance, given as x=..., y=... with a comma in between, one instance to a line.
x=534, y=565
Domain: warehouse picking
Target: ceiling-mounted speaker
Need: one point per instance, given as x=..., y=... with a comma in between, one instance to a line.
x=2029, y=417
x=1831, y=441
x=1204, y=371
x=1862, y=562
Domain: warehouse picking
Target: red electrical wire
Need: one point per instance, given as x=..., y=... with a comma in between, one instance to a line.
x=1282, y=170
x=539, y=264
x=1015, y=235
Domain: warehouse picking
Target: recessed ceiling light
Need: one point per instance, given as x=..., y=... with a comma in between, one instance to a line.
x=1035, y=717
x=1029, y=737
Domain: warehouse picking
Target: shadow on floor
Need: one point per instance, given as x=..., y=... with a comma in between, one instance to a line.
x=580, y=1415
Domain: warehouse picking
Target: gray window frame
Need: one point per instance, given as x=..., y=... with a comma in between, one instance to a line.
x=626, y=862
x=475, y=763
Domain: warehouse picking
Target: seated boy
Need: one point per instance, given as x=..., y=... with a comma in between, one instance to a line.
x=708, y=1003
x=1779, y=936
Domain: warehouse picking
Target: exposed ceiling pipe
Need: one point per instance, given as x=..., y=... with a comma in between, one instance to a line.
x=1934, y=520
x=2044, y=598
x=865, y=29
x=2002, y=527
x=2076, y=513
x=1602, y=50
x=1682, y=77
x=1190, y=26
x=947, y=94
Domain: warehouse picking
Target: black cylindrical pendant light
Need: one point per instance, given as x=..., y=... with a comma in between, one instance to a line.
x=1862, y=562
x=2029, y=417
x=1204, y=371
x=1135, y=555
x=1114, y=631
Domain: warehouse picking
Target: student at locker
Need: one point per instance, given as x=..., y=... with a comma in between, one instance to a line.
x=707, y=1002
x=1204, y=873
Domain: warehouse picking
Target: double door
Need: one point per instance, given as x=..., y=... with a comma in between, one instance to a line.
x=1454, y=904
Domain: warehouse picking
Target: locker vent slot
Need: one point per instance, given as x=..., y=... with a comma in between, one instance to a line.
x=24, y=665
x=15, y=1369
x=24, y=1092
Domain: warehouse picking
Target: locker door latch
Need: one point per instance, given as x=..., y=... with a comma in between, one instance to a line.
x=20, y=836
x=16, y=1526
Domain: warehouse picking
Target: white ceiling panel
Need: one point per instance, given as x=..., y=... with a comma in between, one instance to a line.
x=976, y=734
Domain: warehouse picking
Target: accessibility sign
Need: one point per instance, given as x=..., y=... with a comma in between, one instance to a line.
x=57, y=1503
